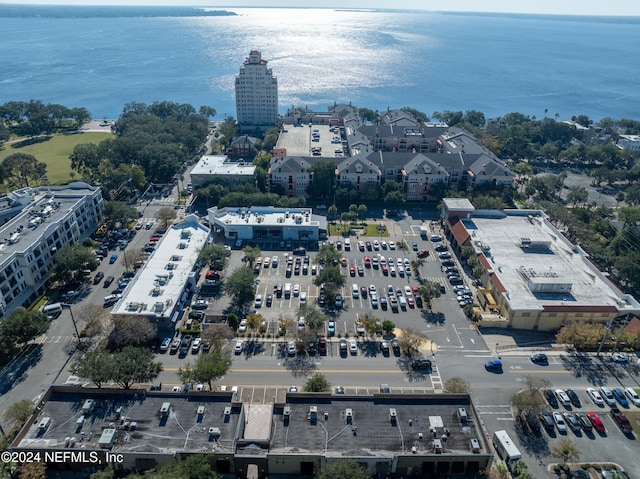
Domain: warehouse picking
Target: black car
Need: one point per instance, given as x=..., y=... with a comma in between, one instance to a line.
x=196, y=314
x=369, y=246
x=278, y=289
x=551, y=398
x=269, y=299
x=98, y=277
x=573, y=397
x=108, y=281
x=547, y=421
x=395, y=345
x=539, y=358
x=421, y=365
x=532, y=422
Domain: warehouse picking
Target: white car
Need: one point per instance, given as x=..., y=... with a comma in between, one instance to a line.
x=400, y=270
x=607, y=395
x=303, y=297
x=267, y=261
x=372, y=288
x=274, y=262
x=258, y=301
x=392, y=245
x=392, y=270
x=563, y=398
x=619, y=358
x=243, y=326
x=383, y=260
x=407, y=291
x=296, y=289
x=403, y=302
x=399, y=262
x=195, y=346
x=633, y=396
x=291, y=348
x=238, y=347
x=407, y=263
x=353, y=346
x=384, y=245
x=559, y=420
x=376, y=245
x=595, y=396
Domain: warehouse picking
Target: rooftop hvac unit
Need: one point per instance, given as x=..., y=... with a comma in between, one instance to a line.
x=475, y=446
x=437, y=446
x=214, y=431
x=227, y=411
x=200, y=410
x=286, y=411
x=165, y=408
x=392, y=413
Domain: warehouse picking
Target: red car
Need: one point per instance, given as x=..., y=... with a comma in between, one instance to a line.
x=352, y=270
x=423, y=254
x=212, y=275
x=596, y=421
x=415, y=290
x=385, y=270
x=367, y=261
x=154, y=239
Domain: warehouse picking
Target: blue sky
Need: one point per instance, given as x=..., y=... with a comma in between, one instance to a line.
x=575, y=7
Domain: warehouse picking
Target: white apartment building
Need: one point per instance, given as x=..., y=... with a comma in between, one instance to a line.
x=54, y=217
x=256, y=94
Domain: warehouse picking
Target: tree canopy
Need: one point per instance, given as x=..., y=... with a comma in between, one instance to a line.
x=71, y=261
x=239, y=285
x=341, y=469
x=21, y=170
x=208, y=368
x=166, y=214
x=317, y=383
x=119, y=214
x=215, y=255
x=23, y=325
x=130, y=331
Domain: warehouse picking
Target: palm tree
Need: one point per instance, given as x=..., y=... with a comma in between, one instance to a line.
x=416, y=264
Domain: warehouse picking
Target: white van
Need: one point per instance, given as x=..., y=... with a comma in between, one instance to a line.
x=52, y=310
x=287, y=290
x=347, y=244
x=355, y=291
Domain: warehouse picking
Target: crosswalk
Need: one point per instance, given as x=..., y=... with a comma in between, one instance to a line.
x=54, y=339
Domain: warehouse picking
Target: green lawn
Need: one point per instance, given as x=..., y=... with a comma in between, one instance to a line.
x=54, y=152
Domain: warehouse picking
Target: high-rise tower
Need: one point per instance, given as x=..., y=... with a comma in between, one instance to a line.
x=256, y=94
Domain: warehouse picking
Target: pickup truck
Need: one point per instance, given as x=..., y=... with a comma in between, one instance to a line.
x=621, y=420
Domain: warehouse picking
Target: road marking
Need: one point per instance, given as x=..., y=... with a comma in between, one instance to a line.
x=504, y=419
x=537, y=371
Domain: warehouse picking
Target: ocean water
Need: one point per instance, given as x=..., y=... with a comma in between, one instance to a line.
x=377, y=59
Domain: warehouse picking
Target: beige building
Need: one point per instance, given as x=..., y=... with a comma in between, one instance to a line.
x=256, y=94
x=534, y=278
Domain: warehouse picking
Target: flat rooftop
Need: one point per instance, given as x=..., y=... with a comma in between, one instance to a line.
x=157, y=287
x=371, y=430
x=298, y=141
x=220, y=165
x=40, y=217
x=181, y=429
x=267, y=216
x=539, y=267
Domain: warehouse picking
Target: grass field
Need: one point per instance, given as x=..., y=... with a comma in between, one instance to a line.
x=54, y=152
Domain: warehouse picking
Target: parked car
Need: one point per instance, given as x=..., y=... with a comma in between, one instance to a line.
x=620, y=358
x=547, y=420
x=238, y=348
x=620, y=397
x=561, y=426
x=98, y=277
x=633, y=396
x=353, y=347
x=607, y=395
x=573, y=397
x=421, y=365
x=551, y=398
x=596, y=422
x=291, y=348
x=113, y=258
x=108, y=281
x=343, y=346
x=584, y=421
x=164, y=346
x=563, y=398
x=595, y=396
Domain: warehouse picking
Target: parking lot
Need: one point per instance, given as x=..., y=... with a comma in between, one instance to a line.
x=383, y=270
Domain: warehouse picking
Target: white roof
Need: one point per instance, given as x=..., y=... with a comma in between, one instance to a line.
x=157, y=287
x=219, y=165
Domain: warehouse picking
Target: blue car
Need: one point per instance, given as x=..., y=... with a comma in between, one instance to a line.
x=331, y=328
x=113, y=258
x=494, y=365
x=620, y=397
